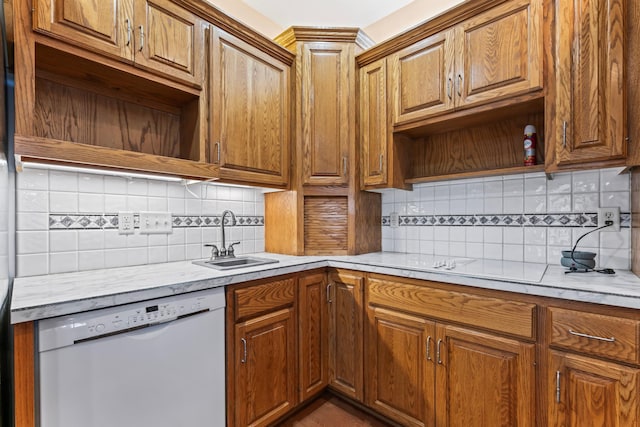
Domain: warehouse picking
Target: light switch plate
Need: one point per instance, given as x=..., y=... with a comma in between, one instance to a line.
x=155, y=223
x=394, y=219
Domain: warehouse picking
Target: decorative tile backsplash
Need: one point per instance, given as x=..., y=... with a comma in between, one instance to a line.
x=68, y=221
x=522, y=217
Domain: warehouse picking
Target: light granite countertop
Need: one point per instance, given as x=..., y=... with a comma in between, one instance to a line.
x=41, y=297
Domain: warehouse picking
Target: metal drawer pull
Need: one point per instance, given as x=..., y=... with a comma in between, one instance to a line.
x=592, y=337
x=558, y=386
x=141, y=38
x=429, y=347
x=381, y=161
x=344, y=165
x=564, y=134
x=438, y=352
x=449, y=84
x=244, y=354
x=459, y=84
x=329, y=293
x=217, y=145
x=128, y=23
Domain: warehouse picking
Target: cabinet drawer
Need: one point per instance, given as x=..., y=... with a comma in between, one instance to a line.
x=255, y=300
x=510, y=317
x=607, y=336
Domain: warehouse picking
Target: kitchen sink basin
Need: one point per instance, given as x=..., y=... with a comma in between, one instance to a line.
x=237, y=262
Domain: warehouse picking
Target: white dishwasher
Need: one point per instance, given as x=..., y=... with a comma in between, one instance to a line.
x=157, y=363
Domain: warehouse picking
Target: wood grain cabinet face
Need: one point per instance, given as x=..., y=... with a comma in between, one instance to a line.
x=590, y=81
x=327, y=115
x=589, y=392
x=422, y=76
x=494, y=55
x=250, y=113
x=265, y=368
x=400, y=366
x=374, y=127
x=313, y=324
x=156, y=35
x=346, y=331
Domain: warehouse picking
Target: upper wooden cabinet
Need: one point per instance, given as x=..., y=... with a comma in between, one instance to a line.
x=590, y=96
x=494, y=55
x=156, y=35
x=374, y=123
x=250, y=126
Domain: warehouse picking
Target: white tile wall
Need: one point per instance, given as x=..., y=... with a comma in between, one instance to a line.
x=575, y=192
x=44, y=251
x=5, y=194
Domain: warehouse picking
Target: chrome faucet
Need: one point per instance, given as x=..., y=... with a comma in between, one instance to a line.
x=224, y=251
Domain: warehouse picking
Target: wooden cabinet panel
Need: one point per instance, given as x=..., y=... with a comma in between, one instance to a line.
x=400, y=368
x=374, y=126
x=422, y=78
x=590, y=78
x=326, y=113
x=483, y=380
x=250, y=113
x=498, y=53
x=511, y=317
x=592, y=393
x=265, y=368
x=313, y=326
x=255, y=300
x=595, y=334
x=346, y=332
x=103, y=26
x=169, y=39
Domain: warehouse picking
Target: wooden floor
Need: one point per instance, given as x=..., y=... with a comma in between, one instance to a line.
x=329, y=411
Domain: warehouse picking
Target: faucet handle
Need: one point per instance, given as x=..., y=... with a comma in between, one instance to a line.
x=215, y=253
x=230, y=250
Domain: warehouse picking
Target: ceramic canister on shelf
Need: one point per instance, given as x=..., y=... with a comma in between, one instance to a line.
x=530, y=140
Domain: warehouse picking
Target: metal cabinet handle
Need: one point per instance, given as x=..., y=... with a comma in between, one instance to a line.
x=564, y=134
x=429, y=347
x=459, y=84
x=141, y=38
x=344, y=165
x=244, y=352
x=381, y=161
x=128, y=24
x=217, y=144
x=558, y=386
x=449, y=84
x=438, y=353
x=329, y=300
x=592, y=337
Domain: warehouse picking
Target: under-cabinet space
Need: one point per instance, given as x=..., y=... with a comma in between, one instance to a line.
x=81, y=108
x=478, y=150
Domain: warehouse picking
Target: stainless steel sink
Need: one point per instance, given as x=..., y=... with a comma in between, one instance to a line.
x=236, y=262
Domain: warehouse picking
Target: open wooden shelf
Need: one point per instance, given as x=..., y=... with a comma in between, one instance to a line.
x=477, y=174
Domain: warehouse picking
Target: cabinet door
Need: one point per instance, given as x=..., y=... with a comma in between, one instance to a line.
x=499, y=53
x=483, y=380
x=400, y=367
x=374, y=125
x=250, y=113
x=102, y=26
x=170, y=40
x=590, y=81
x=346, y=332
x=314, y=333
x=265, y=368
x=422, y=78
x=586, y=392
x=327, y=113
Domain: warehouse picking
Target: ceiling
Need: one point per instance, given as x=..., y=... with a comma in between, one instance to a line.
x=326, y=13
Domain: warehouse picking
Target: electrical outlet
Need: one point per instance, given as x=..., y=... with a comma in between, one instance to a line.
x=609, y=214
x=155, y=223
x=394, y=219
x=125, y=222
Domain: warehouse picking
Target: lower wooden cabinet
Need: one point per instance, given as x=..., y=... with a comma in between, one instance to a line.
x=421, y=373
x=347, y=333
x=265, y=368
x=588, y=392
